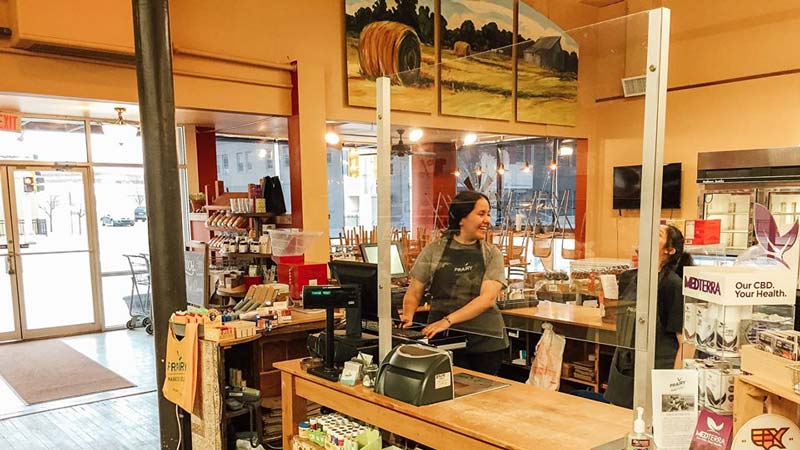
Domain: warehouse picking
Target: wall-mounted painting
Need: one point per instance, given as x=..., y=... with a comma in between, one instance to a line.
x=393, y=38
x=547, y=70
x=475, y=44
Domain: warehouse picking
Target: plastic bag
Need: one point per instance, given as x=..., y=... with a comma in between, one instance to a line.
x=180, y=382
x=546, y=367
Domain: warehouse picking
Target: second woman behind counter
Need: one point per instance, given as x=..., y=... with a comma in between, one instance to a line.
x=464, y=275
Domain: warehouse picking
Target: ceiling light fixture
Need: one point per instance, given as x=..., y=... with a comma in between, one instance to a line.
x=331, y=138
x=457, y=173
x=470, y=138
x=501, y=169
x=526, y=168
x=415, y=135
x=478, y=171
x=119, y=131
x=553, y=165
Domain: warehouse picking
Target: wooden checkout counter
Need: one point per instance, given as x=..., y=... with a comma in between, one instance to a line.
x=514, y=417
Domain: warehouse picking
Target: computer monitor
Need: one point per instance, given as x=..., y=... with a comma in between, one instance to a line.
x=370, y=254
x=365, y=276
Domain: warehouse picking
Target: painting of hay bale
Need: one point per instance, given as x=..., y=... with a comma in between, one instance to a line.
x=547, y=71
x=475, y=45
x=392, y=38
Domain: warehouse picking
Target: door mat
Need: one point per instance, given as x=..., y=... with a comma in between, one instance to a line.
x=43, y=371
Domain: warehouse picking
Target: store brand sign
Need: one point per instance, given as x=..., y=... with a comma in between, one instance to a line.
x=740, y=285
x=767, y=432
x=10, y=122
x=707, y=286
x=713, y=432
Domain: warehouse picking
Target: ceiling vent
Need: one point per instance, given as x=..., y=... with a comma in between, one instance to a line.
x=634, y=86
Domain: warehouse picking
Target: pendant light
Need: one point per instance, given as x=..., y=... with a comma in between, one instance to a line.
x=119, y=131
x=457, y=173
x=478, y=171
x=501, y=169
x=527, y=167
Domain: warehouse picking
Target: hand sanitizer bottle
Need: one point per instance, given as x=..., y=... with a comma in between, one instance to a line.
x=639, y=440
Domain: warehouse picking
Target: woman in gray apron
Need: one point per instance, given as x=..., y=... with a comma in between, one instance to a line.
x=464, y=274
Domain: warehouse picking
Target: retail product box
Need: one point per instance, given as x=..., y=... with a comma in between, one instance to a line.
x=292, y=259
x=767, y=366
x=702, y=232
x=299, y=275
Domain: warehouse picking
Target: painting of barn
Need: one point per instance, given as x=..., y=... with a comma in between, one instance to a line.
x=476, y=64
x=393, y=38
x=547, y=70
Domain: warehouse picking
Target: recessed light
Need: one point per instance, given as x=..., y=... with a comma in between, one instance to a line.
x=331, y=138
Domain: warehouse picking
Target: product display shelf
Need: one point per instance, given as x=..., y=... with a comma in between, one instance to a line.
x=227, y=229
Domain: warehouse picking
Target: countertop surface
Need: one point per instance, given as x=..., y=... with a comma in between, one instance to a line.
x=562, y=313
x=515, y=417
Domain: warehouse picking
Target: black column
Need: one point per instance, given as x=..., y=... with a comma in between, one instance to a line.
x=157, y=113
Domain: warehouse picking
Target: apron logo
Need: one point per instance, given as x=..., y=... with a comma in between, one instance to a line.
x=768, y=438
x=465, y=268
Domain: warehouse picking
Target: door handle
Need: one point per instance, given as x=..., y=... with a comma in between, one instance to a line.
x=9, y=268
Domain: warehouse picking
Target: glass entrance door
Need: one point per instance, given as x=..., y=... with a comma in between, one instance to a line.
x=9, y=303
x=51, y=251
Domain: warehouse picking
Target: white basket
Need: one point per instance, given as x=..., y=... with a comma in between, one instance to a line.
x=292, y=242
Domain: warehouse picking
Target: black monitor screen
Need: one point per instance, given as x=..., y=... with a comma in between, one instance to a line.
x=628, y=187
x=364, y=275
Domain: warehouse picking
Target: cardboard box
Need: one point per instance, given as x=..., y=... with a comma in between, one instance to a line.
x=299, y=275
x=702, y=232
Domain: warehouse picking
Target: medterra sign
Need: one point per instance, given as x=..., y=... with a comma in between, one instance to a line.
x=740, y=285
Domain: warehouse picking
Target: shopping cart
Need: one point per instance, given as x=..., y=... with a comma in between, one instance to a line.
x=139, y=305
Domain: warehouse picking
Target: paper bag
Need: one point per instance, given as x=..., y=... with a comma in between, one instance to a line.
x=546, y=367
x=180, y=382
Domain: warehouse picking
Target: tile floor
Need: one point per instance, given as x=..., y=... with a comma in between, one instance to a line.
x=120, y=419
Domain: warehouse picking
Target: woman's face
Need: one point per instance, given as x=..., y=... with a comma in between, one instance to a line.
x=476, y=223
x=663, y=251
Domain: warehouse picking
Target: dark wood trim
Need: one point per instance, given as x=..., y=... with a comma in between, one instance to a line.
x=295, y=159
x=712, y=83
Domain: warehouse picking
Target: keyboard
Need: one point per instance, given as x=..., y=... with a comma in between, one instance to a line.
x=405, y=333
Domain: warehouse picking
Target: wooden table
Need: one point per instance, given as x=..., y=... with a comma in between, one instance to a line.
x=580, y=323
x=515, y=417
x=581, y=316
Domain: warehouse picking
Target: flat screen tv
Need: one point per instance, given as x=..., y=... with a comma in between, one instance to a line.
x=628, y=187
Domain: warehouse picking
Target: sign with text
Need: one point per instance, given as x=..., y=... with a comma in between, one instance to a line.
x=767, y=432
x=10, y=122
x=740, y=285
x=713, y=432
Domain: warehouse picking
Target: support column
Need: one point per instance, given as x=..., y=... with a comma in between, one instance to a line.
x=162, y=188
x=308, y=163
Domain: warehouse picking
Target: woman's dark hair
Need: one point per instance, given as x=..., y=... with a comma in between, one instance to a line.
x=463, y=204
x=678, y=260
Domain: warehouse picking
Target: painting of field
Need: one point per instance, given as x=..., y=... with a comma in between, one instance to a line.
x=547, y=71
x=476, y=70
x=391, y=38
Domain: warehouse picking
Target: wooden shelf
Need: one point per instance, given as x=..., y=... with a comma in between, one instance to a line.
x=217, y=208
x=227, y=229
x=575, y=380
x=255, y=215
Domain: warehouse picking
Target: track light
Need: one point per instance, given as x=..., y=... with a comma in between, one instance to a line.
x=470, y=138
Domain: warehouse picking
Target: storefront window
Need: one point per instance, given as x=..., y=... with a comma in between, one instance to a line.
x=244, y=160
x=48, y=140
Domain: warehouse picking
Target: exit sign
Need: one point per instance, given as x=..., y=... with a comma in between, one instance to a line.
x=10, y=122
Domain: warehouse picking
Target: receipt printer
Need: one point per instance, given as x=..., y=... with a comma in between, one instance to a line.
x=416, y=374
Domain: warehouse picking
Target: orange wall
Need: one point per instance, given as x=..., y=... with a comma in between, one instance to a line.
x=710, y=41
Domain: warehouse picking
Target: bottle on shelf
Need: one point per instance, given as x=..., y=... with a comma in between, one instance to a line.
x=244, y=246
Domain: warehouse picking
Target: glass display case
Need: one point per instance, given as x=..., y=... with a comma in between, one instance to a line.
x=733, y=209
x=784, y=206
x=726, y=308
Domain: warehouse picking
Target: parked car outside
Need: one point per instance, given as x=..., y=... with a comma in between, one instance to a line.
x=140, y=213
x=116, y=221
